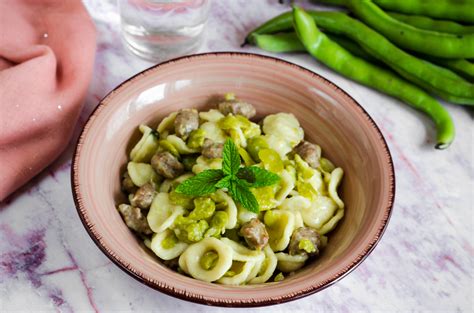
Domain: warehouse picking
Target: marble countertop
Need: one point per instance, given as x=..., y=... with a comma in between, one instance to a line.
x=424, y=262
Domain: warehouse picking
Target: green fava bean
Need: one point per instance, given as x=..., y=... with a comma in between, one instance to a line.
x=431, y=77
x=217, y=225
x=208, y=260
x=289, y=42
x=181, y=199
x=196, y=138
x=412, y=38
x=254, y=145
x=166, y=145
x=337, y=58
x=204, y=208
x=456, y=10
x=188, y=230
x=271, y=160
x=284, y=42
x=427, y=23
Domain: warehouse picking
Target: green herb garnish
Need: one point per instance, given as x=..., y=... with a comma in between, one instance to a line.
x=236, y=179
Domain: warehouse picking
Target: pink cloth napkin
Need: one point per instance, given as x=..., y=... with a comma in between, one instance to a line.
x=47, y=50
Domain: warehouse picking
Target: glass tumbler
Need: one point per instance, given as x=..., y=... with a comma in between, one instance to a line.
x=158, y=30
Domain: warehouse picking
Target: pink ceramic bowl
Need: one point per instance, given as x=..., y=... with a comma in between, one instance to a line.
x=329, y=116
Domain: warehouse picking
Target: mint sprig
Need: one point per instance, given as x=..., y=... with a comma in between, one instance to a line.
x=236, y=179
x=230, y=158
x=202, y=184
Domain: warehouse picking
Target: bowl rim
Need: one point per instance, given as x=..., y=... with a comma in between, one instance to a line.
x=194, y=297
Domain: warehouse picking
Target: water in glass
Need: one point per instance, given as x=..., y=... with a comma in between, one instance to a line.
x=158, y=29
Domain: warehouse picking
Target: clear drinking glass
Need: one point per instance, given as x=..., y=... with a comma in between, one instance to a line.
x=158, y=30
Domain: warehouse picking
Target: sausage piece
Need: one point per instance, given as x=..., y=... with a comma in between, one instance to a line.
x=144, y=196
x=167, y=165
x=237, y=107
x=185, y=122
x=127, y=184
x=302, y=233
x=255, y=234
x=212, y=150
x=135, y=219
x=309, y=152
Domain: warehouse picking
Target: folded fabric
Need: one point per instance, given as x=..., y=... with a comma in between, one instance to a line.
x=47, y=50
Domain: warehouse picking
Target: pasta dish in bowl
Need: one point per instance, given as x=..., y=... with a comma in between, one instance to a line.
x=260, y=224
x=256, y=198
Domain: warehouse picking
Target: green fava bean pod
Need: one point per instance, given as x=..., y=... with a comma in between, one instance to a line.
x=289, y=42
x=406, y=36
x=461, y=66
x=435, y=79
x=427, y=23
x=456, y=10
x=284, y=42
x=337, y=58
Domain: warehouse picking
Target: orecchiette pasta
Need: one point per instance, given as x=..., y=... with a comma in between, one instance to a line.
x=141, y=173
x=290, y=263
x=162, y=213
x=213, y=132
x=166, y=185
x=212, y=235
x=203, y=164
x=192, y=255
x=331, y=224
x=166, y=124
x=284, y=125
x=166, y=246
x=180, y=145
x=283, y=132
x=242, y=253
x=240, y=272
x=146, y=147
x=244, y=215
x=229, y=206
x=280, y=226
x=257, y=267
x=211, y=116
x=336, y=177
x=267, y=267
x=320, y=211
x=287, y=183
x=295, y=203
x=245, y=261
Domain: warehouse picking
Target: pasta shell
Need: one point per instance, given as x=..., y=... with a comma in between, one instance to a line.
x=267, y=267
x=290, y=263
x=320, y=211
x=166, y=253
x=141, y=173
x=162, y=213
x=280, y=225
x=146, y=147
x=189, y=260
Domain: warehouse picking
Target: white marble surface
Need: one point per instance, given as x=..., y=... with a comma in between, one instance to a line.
x=424, y=262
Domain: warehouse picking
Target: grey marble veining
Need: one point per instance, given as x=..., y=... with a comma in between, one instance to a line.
x=424, y=262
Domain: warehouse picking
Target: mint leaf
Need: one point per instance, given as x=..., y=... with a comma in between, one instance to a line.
x=237, y=180
x=257, y=176
x=201, y=184
x=230, y=158
x=224, y=182
x=242, y=194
